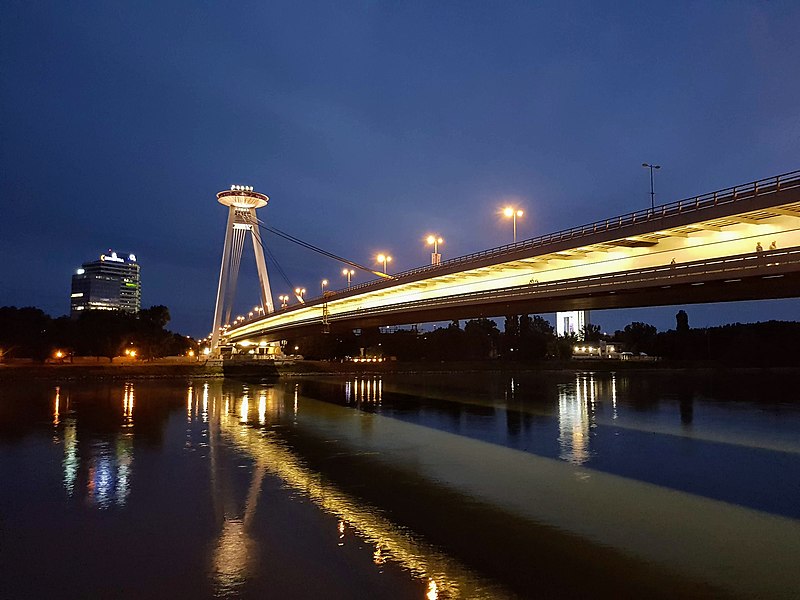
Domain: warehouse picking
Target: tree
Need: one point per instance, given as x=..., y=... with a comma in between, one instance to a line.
x=639, y=337
x=157, y=316
x=511, y=336
x=511, y=326
x=103, y=333
x=149, y=336
x=30, y=333
x=560, y=347
x=682, y=321
x=443, y=344
x=24, y=332
x=535, y=334
x=591, y=333
x=481, y=338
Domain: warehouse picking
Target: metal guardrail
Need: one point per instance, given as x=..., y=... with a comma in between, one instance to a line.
x=729, y=195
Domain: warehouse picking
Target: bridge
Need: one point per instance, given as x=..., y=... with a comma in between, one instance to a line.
x=739, y=243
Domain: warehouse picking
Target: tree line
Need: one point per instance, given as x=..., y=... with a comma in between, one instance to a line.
x=524, y=338
x=31, y=333
x=533, y=338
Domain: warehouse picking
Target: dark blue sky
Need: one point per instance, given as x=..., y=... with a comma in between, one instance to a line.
x=370, y=124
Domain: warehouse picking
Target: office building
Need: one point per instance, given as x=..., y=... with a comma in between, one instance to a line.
x=572, y=322
x=109, y=283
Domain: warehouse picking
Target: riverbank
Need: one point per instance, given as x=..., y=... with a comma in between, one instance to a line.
x=181, y=369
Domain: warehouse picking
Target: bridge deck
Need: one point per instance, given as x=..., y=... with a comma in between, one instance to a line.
x=710, y=238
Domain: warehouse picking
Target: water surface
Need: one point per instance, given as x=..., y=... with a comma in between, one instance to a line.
x=402, y=486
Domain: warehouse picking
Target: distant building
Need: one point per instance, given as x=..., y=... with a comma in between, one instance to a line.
x=110, y=283
x=572, y=322
x=599, y=349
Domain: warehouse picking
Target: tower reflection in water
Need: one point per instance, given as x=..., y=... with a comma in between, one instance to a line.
x=106, y=464
x=234, y=556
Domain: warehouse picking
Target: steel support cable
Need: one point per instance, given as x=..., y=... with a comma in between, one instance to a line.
x=319, y=250
x=277, y=266
x=231, y=280
x=271, y=256
x=236, y=260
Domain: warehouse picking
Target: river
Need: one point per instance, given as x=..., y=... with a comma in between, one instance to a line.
x=440, y=485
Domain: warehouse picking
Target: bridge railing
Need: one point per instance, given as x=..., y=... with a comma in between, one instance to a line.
x=766, y=264
x=729, y=195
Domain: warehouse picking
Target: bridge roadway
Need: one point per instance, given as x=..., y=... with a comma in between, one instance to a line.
x=701, y=249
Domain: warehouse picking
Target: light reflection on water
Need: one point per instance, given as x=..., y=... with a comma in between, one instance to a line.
x=546, y=470
x=575, y=418
x=235, y=548
x=698, y=537
x=107, y=465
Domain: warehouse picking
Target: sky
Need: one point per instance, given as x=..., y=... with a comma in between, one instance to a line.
x=370, y=125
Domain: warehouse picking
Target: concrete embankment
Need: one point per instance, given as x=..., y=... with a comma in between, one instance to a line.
x=108, y=371
x=162, y=369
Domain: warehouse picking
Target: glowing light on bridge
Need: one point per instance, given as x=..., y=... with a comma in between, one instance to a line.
x=384, y=259
x=435, y=240
x=512, y=213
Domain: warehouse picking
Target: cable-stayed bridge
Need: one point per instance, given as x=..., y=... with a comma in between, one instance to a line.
x=739, y=243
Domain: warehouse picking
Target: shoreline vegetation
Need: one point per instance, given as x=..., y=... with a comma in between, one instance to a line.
x=103, y=344
x=182, y=369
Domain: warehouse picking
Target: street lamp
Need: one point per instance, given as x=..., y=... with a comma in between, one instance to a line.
x=509, y=211
x=383, y=258
x=348, y=273
x=323, y=283
x=435, y=240
x=652, y=191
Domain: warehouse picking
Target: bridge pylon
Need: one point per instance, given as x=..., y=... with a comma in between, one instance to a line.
x=242, y=203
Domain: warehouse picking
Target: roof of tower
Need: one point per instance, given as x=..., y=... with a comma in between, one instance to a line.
x=242, y=196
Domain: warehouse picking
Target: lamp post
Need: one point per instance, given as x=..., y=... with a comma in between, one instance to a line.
x=509, y=211
x=435, y=240
x=652, y=190
x=383, y=258
x=323, y=283
x=348, y=273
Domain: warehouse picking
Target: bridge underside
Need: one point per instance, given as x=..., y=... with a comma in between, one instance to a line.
x=663, y=293
x=757, y=276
